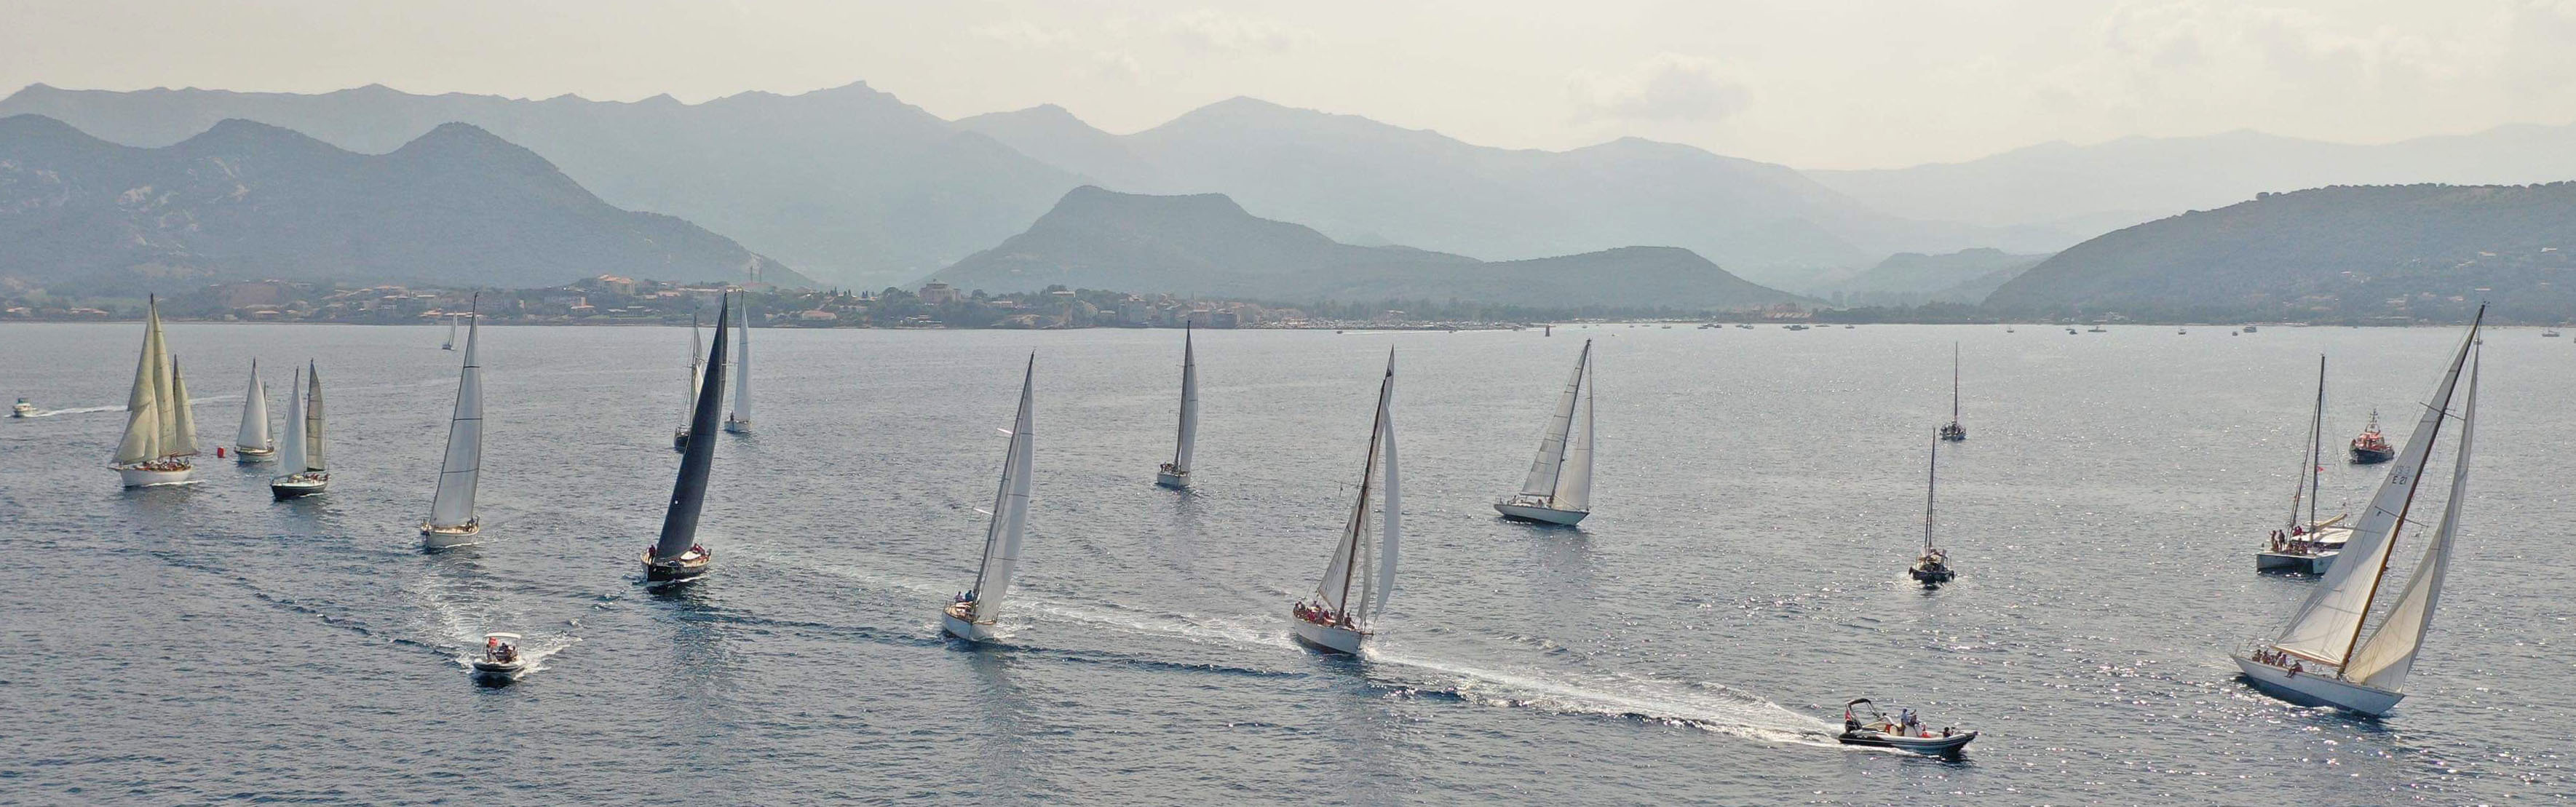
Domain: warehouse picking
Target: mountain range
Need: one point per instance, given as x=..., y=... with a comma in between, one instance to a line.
x=245, y=200
x=2341, y=253
x=1913, y=278
x=1207, y=244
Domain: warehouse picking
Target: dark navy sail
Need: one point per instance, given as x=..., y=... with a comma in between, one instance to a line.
x=680, y=523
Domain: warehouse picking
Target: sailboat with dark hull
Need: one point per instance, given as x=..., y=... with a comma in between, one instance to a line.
x=2323, y=658
x=677, y=555
x=305, y=473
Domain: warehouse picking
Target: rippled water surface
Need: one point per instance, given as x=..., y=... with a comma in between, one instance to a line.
x=1759, y=492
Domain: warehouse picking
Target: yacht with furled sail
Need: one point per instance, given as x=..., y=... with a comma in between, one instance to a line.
x=972, y=615
x=739, y=422
x=1954, y=432
x=451, y=509
x=2307, y=544
x=1342, y=611
x=2322, y=657
x=252, y=443
x=677, y=555
x=160, y=431
x=1176, y=474
x=1932, y=568
x=1558, y=489
x=302, y=459
x=2371, y=448
x=688, y=390
x=450, y=344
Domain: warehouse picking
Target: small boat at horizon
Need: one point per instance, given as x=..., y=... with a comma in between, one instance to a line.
x=1954, y=432
x=2308, y=545
x=2321, y=658
x=306, y=474
x=451, y=509
x=972, y=616
x=1176, y=474
x=688, y=389
x=450, y=344
x=1932, y=568
x=160, y=429
x=1342, y=611
x=676, y=555
x=2371, y=447
x=1558, y=489
x=739, y=421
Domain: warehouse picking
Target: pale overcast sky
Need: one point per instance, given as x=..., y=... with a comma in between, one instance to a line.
x=1811, y=83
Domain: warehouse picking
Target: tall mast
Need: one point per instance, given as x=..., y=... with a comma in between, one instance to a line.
x=2316, y=442
x=1954, y=383
x=1931, y=480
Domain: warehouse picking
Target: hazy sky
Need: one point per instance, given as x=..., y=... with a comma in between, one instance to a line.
x=1811, y=83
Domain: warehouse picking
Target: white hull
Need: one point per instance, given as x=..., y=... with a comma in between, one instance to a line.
x=499, y=669
x=146, y=478
x=1172, y=480
x=1540, y=514
x=2288, y=562
x=965, y=629
x=737, y=427
x=1326, y=637
x=436, y=537
x=254, y=456
x=2311, y=688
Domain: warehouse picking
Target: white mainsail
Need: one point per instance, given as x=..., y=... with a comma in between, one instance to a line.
x=2328, y=622
x=182, y=438
x=1010, y=511
x=2384, y=659
x=1574, y=474
x=143, y=404
x=742, y=367
x=312, y=418
x=254, y=424
x=1547, y=470
x=1189, y=406
x=290, y=451
x=1353, y=564
x=453, y=505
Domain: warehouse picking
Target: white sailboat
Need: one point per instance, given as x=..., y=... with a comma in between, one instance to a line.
x=451, y=510
x=972, y=614
x=676, y=555
x=2307, y=544
x=688, y=390
x=1558, y=489
x=450, y=344
x=1176, y=474
x=252, y=444
x=2321, y=657
x=1954, y=432
x=740, y=421
x=305, y=473
x=1343, y=609
x=160, y=432
x=1932, y=568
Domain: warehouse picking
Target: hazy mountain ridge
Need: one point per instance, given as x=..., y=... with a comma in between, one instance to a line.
x=1207, y=244
x=1913, y=278
x=2340, y=253
x=249, y=200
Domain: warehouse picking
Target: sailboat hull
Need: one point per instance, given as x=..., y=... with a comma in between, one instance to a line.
x=297, y=486
x=437, y=537
x=1180, y=481
x=737, y=427
x=688, y=565
x=966, y=629
x=1327, y=637
x=1540, y=515
x=2294, y=563
x=253, y=456
x=680, y=440
x=2312, y=689
x=141, y=477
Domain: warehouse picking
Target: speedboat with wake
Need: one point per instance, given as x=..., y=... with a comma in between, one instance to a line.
x=1903, y=732
x=501, y=657
x=22, y=409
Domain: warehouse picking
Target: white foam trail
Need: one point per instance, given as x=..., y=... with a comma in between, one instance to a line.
x=78, y=410
x=1725, y=712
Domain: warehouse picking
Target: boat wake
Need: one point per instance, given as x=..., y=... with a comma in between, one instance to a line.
x=78, y=410
x=1706, y=706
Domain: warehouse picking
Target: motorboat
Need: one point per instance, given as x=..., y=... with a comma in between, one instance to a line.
x=2372, y=448
x=21, y=409
x=1902, y=732
x=501, y=657
x=2549, y=334
x=1558, y=489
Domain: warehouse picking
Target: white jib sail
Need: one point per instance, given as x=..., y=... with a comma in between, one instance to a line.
x=254, y=425
x=689, y=385
x=1010, y=511
x=453, y=505
x=142, y=440
x=182, y=441
x=290, y=451
x=1545, y=471
x=313, y=418
x=2324, y=627
x=1189, y=406
x=2384, y=659
x=742, y=365
x=1391, y=517
x=1574, y=476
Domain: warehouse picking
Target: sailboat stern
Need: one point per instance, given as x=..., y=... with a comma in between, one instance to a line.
x=958, y=620
x=1329, y=638
x=2317, y=687
x=680, y=440
x=156, y=474
x=732, y=426
x=1176, y=480
x=252, y=456
x=687, y=565
x=441, y=537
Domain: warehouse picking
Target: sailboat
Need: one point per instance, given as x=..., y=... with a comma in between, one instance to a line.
x=971, y=615
x=1954, y=432
x=1932, y=568
x=450, y=344
x=2307, y=545
x=305, y=474
x=252, y=444
x=160, y=432
x=451, y=510
x=740, y=421
x=677, y=555
x=1341, y=611
x=1558, y=489
x=2321, y=657
x=688, y=390
x=1176, y=474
